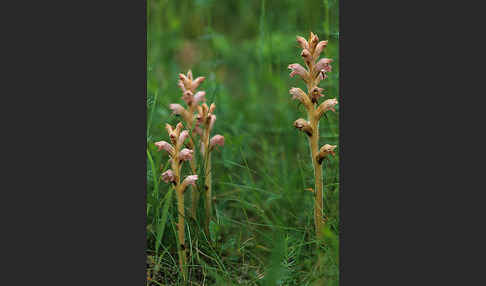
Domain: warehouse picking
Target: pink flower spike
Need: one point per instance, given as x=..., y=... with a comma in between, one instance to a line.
x=190, y=180
x=166, y=146
x=177, y=108
x=199, y=97
x=185, y=154
x=216, y=140
x=168, y=176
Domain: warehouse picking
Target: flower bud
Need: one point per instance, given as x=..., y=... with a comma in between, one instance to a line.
x=182, y=138
x=212, y=119
x=303, y=125
x=313, y=41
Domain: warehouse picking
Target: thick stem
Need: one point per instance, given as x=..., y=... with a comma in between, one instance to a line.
x=180, y=211
x=209, y=199
x=194, y=190
x=314, y=146
x=207, y=181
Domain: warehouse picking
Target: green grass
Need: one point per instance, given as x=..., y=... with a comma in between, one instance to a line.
x=263, y=230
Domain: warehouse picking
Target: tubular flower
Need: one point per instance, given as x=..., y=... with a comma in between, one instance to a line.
x=199, y=97
x=168, y=176
x=166, y=146
x=189, y=180
x=319, y=48
x=216, y=140
x=324, y=64
x=302, y=42
x=325, y=151
x=185, y=154
x=301, y=96
x=298, y=70
x=326, y=105
x=303, y=125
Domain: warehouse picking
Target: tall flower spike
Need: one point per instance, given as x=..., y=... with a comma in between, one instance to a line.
x=316, y=72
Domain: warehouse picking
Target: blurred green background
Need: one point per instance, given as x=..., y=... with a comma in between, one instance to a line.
x=263, y=227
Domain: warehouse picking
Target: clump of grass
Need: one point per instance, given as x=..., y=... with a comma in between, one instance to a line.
x=178, y=156
x=316, y=70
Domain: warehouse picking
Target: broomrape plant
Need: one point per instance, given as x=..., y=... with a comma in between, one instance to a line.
x=188, y=85
x=316, y=70
x=201, y=123
x=178, y=156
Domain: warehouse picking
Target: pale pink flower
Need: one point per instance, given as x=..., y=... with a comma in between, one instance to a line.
x=306, y=55
x=324, y=64
x=182, y=137
x=303, y=125
x=302, y=42
x=319, y=48
x=327, y=105
x=190, y=180
x=195, y=83
x=185, y=154
x=199, y=97
x=216, y=140
x=187, y=97
x=177, y=108
x=300, y=95
x=166, y=146
x=168, y=176
x=298, y=70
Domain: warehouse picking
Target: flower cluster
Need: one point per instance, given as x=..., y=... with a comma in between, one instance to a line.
x=177, y=155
